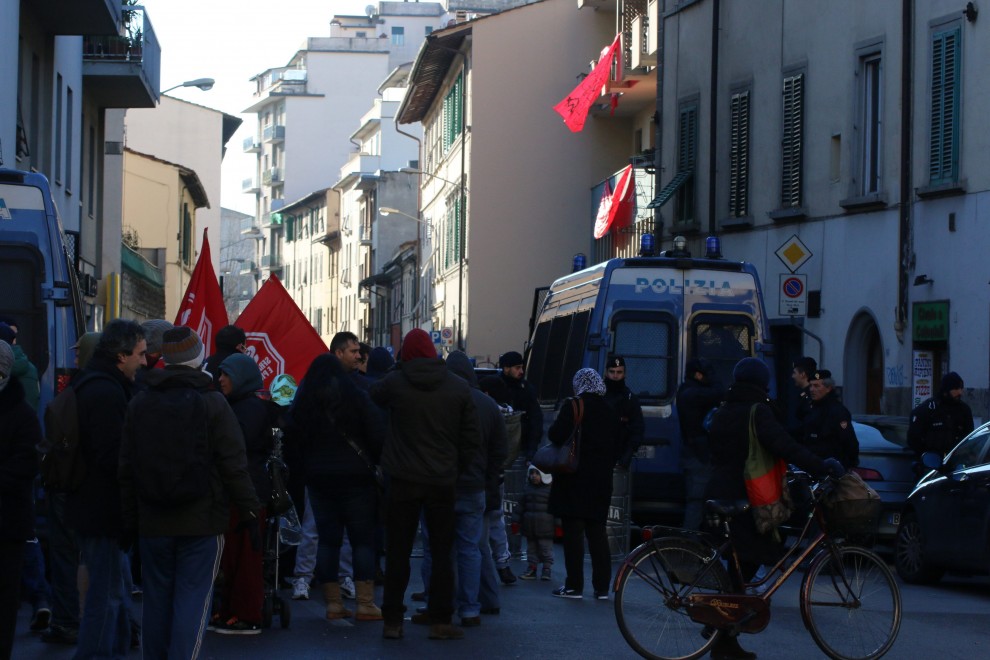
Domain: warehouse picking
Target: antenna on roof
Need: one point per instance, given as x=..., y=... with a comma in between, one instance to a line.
x=370, y=11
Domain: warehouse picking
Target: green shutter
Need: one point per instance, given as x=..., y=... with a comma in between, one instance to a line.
x=792, y=142
x=943, y=163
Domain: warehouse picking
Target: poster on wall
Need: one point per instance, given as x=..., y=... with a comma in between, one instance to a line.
x=923, y=373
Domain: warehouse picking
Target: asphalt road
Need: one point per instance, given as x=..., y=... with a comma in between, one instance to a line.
x=944, y=621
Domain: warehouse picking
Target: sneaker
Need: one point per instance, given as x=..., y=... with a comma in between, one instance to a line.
x=57, y=634
x=564, y=592
x=214, y=622
x=545, y=575
x=530, y=573
x=505, y=574
x=41, y=619
x=235, y=626
x=601, y=595
x=300, y=589
x=347, y=587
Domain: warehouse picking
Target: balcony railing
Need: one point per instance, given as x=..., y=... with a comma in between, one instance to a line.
x=248, y=267
x=249, y=227
x=250, y=185
x=251, y=145
x=271, y=261
x=122, y=70
x=272, y=176
x=273, y=133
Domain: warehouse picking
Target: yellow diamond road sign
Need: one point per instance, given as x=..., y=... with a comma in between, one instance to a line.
x=793, y=253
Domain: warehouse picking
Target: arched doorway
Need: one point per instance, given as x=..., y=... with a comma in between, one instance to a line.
x=862, y=389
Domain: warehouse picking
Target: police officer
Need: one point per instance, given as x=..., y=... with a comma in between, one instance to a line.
x=803, y=369
x=827, y=427
x=696, y=396
x=523, y=400
x=939, y=423
x=624, y=402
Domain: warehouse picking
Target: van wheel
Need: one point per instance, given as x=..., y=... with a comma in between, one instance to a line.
x=909, y=553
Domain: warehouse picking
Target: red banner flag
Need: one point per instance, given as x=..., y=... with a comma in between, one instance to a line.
x=615, y=208
x=575, y=106
x=202, y=307
x=279, y=336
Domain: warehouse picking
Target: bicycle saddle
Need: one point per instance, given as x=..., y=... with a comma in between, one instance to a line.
x=727, y=508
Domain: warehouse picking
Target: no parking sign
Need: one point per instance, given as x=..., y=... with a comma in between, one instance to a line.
x=793, y=295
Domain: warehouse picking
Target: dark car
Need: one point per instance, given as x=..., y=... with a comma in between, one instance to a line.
x=946, y=519
x=887, y=465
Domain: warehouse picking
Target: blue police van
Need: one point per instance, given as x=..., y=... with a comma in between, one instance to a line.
x=657, y=312
x=38, y=278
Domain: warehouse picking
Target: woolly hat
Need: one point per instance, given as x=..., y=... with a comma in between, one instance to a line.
x=417, y=344
x=951, y=381
x=7, y=333
x=752, y=370
x=229, y=337
x=182, y=346
x=153, y=331
x=588, y=380
x=379, y=362
x=510, y=359
x=544, y=477
x=6, y=363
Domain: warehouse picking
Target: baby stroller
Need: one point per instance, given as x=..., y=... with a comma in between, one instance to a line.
x=282, y=530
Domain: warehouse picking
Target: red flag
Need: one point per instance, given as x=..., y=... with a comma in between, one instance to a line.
x=202, y=307
x=575, y=106
x=279, y=336
x=616, y=211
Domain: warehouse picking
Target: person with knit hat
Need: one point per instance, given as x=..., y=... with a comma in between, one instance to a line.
x=939, y=423
x=746, y=401
x=827, y=429
x=179, y=426
x=229, y=340
x=153, y=331
x=435, y=436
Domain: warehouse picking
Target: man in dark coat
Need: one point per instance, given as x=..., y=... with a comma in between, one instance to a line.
x=435, y=437
x=939, y=423
x=524, y=400
x=802, y=371
x=696, y=396
x=827, y=429
x=626, y=404
x=19, y=435
x=94, y=511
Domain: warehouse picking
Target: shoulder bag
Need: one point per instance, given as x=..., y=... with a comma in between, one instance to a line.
x=766, y=483
x=376, y=470
x=563, y=459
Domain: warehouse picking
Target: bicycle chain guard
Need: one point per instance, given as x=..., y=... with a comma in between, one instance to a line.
x=748, y=614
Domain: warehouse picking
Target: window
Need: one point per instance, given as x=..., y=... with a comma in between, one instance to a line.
x=792, y=141
x=429, y=30
x=58, y=128
x=687, y=150
x=186, y=246
x=398, y=36
x=91, y=175
x=943, y=166
x=648, y=342
x=452, y=232
x=739, y=155
x=453, y=114
x=871, y=121
x=723, y=340
x=969, y=452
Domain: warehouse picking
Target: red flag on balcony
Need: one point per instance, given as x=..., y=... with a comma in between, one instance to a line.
x=616, y=207
x=279, y=336
x=202, y=306
x=575, y=106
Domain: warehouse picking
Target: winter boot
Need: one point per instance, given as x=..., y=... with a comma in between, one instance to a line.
x=366, y=608
x=727, y=648
x=335, y=605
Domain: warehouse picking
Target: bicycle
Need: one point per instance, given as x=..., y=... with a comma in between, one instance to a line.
x=674, y=596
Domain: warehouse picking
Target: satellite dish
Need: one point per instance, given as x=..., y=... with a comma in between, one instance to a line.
x=369, y=10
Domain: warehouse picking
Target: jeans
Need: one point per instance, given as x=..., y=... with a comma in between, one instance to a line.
x=696, y=476
x=469, y=532
x=497, y=539
x=340, y=503
x=63, y=560
x=178, y=574
x=575, y=531
x=490, y=584
x=33, y=582
x=306, y=552
x=404, y=501
x=105, y=628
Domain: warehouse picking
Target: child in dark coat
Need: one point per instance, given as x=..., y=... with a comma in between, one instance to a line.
x=537, y=523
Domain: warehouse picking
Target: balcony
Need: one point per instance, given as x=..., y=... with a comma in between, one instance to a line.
x=79, y=16
x=271, y=220
x=250, y=186
x=122, y=70
x=273, y=133
x=248, y=268
x=250, y=228
x=272, y=176
x=271, y=262
x=251, y=145
x=364, y=236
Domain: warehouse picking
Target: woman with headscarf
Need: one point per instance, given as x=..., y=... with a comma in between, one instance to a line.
x=581, y=499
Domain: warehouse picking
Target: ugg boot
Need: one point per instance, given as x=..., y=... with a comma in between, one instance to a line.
x=366, y=608
x=335, y=604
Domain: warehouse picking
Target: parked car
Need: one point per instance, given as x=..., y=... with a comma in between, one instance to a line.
x=887, y=466
x=945, y=524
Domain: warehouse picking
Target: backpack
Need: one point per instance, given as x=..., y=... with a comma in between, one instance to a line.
x=62, y=465
x=169, y=446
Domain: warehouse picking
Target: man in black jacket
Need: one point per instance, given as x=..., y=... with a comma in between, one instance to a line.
x=696, y=396
x=94, y=511
x=626, y=404
x=434, y=438
x=524, y=400
x=827, y=428
x=939, y=423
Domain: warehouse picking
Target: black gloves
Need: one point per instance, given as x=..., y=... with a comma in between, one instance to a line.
x=253, y=529
x=833, y=468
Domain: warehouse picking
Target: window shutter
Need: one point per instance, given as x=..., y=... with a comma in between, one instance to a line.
x=943, y=154
x=687, y=145
x=739, y=155
x=792, y=141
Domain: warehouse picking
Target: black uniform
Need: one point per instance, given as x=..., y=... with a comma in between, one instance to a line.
x=524, y=400
x=938, y=425
x=631, y=426
x=827, y=431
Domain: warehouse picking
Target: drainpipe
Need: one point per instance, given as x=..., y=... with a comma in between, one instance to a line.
x=462, y=239
x=658, y=129
x=713, y=121
x=905, y=238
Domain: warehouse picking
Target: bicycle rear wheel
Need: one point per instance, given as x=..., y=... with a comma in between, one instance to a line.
x=851, y=604
x=650, y=591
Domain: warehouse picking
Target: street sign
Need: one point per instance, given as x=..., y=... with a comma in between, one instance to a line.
x=447, y=336
x=793, y=295
x=435, y=336
x=793, y=253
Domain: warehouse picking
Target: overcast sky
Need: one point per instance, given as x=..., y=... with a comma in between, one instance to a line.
x=231, y=42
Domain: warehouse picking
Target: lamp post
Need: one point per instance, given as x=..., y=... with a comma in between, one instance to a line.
x=205, y=84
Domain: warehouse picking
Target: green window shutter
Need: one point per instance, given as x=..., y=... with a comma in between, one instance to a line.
x=290, y=229
x=792, y=142
x=943, y=163
x=739, y=155
x=687, y=150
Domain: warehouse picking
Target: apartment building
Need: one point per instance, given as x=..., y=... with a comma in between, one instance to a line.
x=237, y=252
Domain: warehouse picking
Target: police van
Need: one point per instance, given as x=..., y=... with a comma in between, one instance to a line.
x=657, y=312
x=40, y=290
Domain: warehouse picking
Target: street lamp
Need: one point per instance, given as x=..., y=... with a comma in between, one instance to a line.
x=413, y=170
x=386, y=211
x=205, y=84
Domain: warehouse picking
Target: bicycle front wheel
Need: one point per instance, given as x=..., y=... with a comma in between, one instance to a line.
x=851, y=604
x=650, y=594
